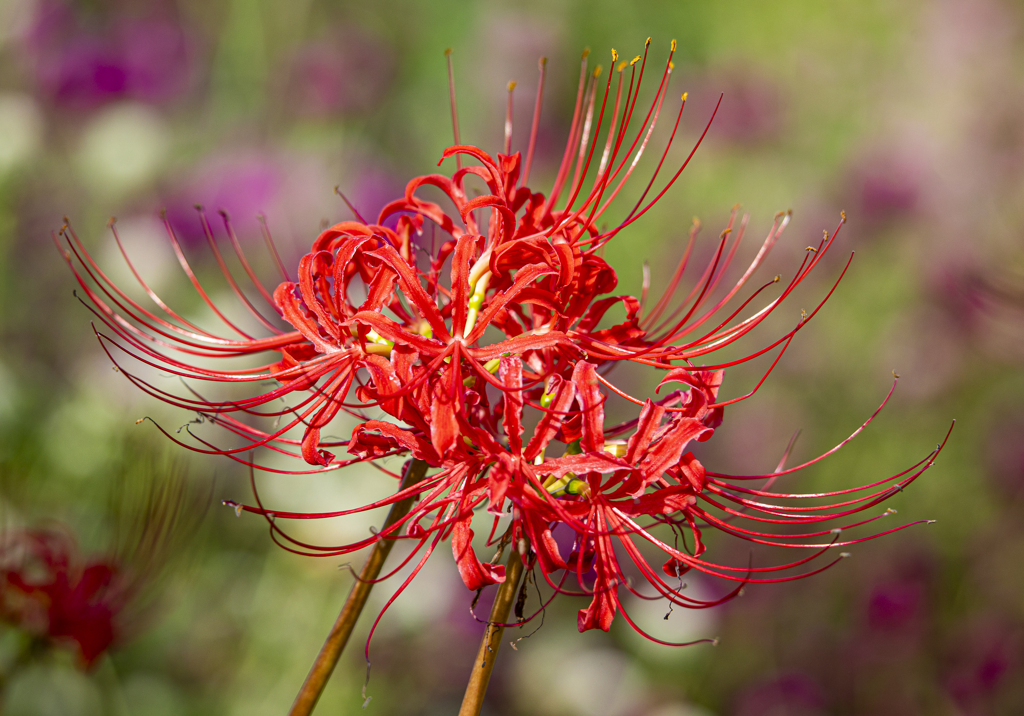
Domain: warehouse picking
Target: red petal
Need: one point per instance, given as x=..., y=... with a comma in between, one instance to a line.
x=474, y=573
x=544, y=545
x=511, y=373
x=552, y=419
x=584, y=377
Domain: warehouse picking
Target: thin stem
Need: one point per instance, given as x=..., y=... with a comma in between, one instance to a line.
x=326, y=660
x=485, y=658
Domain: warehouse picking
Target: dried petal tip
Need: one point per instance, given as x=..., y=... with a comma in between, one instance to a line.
x=844, y=555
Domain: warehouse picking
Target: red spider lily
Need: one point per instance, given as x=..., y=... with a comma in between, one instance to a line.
x=534, y=275
x=46, y=589
x=499, y=327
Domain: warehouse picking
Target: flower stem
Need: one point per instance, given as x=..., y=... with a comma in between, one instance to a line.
x=326, y=660
x=484, y=663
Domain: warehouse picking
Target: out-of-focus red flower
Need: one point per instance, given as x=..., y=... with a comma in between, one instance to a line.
x=49, y=590
x=504, y=322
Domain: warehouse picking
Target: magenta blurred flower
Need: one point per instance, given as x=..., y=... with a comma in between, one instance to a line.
x=244, y=185
x=752, y=105
x=982, y=659
x=82, y=65
x=887, y=186
x=792, y=694
x=331, y=77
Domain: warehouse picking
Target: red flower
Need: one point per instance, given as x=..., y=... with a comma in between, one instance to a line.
x=503, y=325
x=46, y=589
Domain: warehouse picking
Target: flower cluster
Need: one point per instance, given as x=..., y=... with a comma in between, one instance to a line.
x=486, y=357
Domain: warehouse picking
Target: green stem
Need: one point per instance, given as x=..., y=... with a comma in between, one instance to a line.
x=326, y=660
x=488, y=653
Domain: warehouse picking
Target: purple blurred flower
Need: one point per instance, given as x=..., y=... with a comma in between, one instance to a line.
x=897, y=605
x=333, y=77
x=979, y=661
x=1005, y=456
x=751, y=110
x=243, y=185
x=894, y=605
x=791, y=694
x=960, y=290
x=887, y=185
x=83, y=65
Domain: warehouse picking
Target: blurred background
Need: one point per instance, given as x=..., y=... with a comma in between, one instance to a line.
x=907, y=116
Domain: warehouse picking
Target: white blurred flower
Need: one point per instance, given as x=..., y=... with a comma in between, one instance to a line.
x=15, y=18
x=21, y=130
x=122, y=147
x=145, y=242
x=559, y=677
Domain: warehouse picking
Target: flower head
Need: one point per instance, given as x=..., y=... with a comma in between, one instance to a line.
x=505, y=324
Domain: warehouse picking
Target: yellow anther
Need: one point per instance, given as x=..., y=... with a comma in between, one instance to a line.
x=379, y=349
x=622, y=66
x=685, y=95
x=586, y=52
x=448, y=52
x=648, y=43
x=543, y=61
x=671, y=65
x=577, y=487
x=673, y=45
x=615, y=448
x=615, y=55
x=511, y=85
x=635, y=59
x=597, y=71
x=843, y=214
